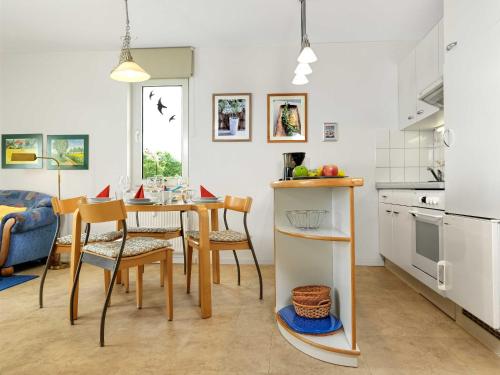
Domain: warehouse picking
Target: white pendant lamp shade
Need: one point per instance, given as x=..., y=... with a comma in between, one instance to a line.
x=307, y=56
x=300, y=79
x=129, y=71
x=303, y=69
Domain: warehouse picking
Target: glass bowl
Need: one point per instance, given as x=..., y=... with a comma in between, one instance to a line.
x=306, y=219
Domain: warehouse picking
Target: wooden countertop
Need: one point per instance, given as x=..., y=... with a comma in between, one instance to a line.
x=318, y=183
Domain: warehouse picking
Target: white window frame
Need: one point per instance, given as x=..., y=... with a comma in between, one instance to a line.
x=134, y=151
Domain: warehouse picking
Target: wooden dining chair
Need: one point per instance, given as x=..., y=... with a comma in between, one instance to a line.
x=123, y=254
x=226, y=239
x=165, y=233
x=62, y=244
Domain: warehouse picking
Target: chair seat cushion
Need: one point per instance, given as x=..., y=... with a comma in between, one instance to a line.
x=152, y=229
x=94, y=237
x=133, y=246
x=221, y=236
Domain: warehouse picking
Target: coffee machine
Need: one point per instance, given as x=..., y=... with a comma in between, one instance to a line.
x=290, y=161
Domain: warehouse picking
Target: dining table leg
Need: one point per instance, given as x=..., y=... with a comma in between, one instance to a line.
x=204, y=264
x=75, y=256
x=214, y=226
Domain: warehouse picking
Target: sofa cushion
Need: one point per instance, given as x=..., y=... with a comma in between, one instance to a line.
x=4, y=210
x=133, y=246
x=221, y=236
x=94, y=237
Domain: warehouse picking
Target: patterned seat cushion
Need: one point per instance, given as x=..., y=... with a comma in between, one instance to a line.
x=221, y=236
x=152, y=229
x=94, y=237
x=133, y=246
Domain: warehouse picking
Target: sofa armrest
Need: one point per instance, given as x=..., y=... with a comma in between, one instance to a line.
x=30, y=219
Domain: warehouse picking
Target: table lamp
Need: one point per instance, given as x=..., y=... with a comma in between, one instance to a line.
x=18, y=156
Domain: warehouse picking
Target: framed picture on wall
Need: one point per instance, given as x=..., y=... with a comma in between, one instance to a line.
x=231, y=117
x=330, y=132
x=72, y=151
x=23, y=144
x=286, y=118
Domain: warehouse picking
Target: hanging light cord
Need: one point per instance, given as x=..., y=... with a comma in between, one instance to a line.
x=125, y=54
x=303, y=27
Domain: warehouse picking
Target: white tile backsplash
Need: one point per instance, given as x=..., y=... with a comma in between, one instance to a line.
x=397, y=157
x=405, y=155
x=383, y=157
x=412, y=157
x=397, y=139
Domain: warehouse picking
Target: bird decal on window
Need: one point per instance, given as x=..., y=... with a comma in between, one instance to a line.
x=151, y=94
x=161, y=106
x=171, y=118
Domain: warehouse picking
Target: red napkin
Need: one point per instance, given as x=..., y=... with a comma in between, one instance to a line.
x=204, y=193
x=140, y=193
x=104, y=193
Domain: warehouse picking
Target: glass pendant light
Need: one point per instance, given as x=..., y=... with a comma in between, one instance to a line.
x=307, y=56
x=128, y=70
x=300, y=79
x=303, y=69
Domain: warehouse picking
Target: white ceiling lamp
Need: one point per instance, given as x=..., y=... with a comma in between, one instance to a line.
x=300, y=79
x=127, y=70
x=307, y=55
x=303, y=69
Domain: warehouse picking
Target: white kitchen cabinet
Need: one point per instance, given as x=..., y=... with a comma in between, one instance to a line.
x=471, y=268
x=466, y=19
x=402, y=224
x=427, y=60
x=407, y=91
x=441, y=47
x=385, y=229
x=472, y=92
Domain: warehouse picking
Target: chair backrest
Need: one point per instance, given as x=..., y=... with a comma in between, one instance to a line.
x=66, y=206
x=237, y=203
x=103, y=212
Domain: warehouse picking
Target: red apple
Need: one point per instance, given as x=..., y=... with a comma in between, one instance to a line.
x=330, y=170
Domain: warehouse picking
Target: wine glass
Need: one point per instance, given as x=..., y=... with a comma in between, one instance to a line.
x=124, y=185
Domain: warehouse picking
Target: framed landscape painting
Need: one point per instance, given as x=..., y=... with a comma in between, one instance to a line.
x=231, y=117
x=286, y=118
x=25, y=144
x=72, y=151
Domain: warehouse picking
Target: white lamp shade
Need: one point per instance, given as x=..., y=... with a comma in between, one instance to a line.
x=129, y=71
x=303, y=69
x=307, y=56
x=300, y=79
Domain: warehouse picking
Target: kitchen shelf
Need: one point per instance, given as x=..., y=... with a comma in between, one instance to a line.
x=320, y=234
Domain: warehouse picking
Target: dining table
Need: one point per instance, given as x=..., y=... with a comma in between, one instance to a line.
x=208, y=220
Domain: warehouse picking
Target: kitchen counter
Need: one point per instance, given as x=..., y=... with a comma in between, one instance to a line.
x=434, y=185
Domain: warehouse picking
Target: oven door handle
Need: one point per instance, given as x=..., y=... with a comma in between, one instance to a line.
x=423, y=216
x=441, y=265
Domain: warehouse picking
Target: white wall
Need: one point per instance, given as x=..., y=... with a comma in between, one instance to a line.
x=352, y=84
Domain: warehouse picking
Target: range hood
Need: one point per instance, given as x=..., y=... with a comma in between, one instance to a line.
x=434, y=94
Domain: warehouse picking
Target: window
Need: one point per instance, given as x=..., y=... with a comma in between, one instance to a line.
x=160, y=121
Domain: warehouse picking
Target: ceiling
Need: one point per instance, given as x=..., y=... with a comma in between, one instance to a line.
x=76, y=25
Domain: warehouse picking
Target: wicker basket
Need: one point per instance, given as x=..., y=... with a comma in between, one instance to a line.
x=319, y=311
x=309, y=300
x=319, y=291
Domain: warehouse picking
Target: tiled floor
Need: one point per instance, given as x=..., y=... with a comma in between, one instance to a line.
x=399, y=331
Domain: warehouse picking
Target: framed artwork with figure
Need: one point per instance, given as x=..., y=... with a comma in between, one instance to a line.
x=231, y=117
x=286, y=118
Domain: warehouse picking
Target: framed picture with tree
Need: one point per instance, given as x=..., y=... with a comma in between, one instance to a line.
x=286, y=118
x=72, y=151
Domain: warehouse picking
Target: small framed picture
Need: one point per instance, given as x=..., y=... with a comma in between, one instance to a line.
x=72, y=151
x=21, y=144
x=286, y=118
x=330, y=132
x=231, y=117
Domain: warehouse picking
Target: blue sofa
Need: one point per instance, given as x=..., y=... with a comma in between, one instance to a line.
x=25, y=236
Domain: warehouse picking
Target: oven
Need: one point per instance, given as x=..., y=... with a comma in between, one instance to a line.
x=427, y=240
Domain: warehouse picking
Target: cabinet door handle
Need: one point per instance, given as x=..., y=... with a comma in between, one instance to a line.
x=384, y=196
x=450, y=46
x=388, y=211
x=419, y=112
x=410, y=117
x=396, y=212
x=441, y=285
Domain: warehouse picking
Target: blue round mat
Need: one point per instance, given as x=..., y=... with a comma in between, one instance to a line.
x=309, y=326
